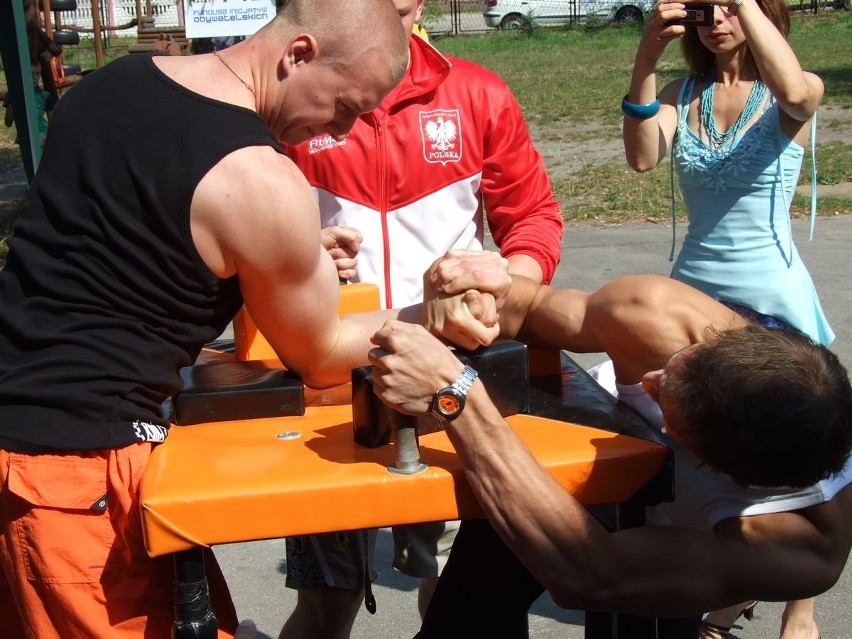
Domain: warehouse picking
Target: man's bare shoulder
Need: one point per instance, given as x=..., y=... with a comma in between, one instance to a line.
x=823, y=528
x=798, y=553
x=261, y=163
x=657, y=298
x=255, y=178
x=254, y=198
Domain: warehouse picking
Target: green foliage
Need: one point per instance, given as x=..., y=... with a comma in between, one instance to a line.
x=594, y=23
x=526, y=24
x=432, y=12
x=84, y=53
x=7, y=220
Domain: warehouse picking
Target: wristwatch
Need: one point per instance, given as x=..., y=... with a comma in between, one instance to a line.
x=447, y=403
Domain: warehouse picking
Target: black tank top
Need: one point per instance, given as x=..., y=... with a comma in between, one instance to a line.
x=104, y=297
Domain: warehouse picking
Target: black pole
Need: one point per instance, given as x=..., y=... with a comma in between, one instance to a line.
x=194, y=617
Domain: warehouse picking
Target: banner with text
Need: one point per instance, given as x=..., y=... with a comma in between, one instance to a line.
x=219, y=18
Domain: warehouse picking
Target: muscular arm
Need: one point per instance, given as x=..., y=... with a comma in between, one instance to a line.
x=269, y=235
x=638, y=320
x=664, y=571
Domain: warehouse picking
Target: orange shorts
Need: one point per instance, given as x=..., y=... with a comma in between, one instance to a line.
x=72, y=551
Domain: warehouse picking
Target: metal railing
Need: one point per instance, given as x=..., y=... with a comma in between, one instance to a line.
x=121, y=12
x=447, y=17
x=453, y=17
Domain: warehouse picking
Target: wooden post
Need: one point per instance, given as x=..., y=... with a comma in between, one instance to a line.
x=48, y=26
x=96, y=27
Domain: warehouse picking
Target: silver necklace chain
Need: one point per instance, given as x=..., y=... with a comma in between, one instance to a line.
x=236, y=75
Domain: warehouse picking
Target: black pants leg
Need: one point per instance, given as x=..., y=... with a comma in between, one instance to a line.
x=484, y=590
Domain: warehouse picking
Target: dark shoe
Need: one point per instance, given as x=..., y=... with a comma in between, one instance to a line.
x=713, y=631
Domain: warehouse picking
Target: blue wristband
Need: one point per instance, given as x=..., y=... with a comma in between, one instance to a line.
x=639, y=111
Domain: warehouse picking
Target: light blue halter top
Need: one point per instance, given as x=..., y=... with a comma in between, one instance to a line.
x=739, y=246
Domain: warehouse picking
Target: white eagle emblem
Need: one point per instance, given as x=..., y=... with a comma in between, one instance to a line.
x=441, y=134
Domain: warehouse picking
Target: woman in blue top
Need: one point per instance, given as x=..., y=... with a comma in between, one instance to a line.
x=738, y=125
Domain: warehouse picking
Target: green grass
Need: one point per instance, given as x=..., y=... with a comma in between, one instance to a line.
x=822, y=46
x=578, y=76
x=84, y=53
x=557, y=75
x=581, y=73
x=834, y=163
x=613, y=192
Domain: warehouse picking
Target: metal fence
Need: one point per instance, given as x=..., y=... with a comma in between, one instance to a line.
x=441, y=17
x=445, y=17
x=115, y=14
x=452, y=17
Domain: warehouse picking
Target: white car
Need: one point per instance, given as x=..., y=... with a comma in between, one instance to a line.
x=512, y=14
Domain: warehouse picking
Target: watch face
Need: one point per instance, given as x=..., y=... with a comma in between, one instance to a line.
x=448, y=404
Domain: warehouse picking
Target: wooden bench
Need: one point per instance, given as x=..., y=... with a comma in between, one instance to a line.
x=149, y=34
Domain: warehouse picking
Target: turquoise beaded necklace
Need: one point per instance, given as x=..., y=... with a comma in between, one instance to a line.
x=720, y=143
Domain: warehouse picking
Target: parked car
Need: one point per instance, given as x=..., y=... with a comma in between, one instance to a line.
x=513, y=14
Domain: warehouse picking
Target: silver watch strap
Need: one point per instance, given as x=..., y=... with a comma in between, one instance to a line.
x=465, y=380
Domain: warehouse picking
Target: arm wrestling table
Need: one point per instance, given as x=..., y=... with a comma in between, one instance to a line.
x=244, y=480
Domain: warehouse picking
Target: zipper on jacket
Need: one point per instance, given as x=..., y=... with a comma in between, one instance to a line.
x=383, y=209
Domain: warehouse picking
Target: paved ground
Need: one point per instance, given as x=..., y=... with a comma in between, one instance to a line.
x=591, y=255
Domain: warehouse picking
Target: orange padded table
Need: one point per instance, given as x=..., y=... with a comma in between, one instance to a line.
x=236, y=481
x=264, y=478
x=247, y=480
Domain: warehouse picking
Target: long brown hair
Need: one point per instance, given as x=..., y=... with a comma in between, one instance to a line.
x=700, y=59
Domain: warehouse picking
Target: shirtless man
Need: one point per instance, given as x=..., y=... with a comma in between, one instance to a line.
x=740, y=405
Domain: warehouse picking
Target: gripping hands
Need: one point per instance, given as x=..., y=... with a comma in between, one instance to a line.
x=462, y=294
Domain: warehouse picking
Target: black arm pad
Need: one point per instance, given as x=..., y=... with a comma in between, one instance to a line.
x=502, y=367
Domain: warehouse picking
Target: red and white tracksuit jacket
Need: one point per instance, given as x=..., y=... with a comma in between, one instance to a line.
x=414, y=175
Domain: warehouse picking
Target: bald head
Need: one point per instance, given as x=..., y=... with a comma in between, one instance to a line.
x=348, y=33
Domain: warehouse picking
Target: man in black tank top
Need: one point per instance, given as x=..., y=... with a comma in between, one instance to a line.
x=163, y=203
